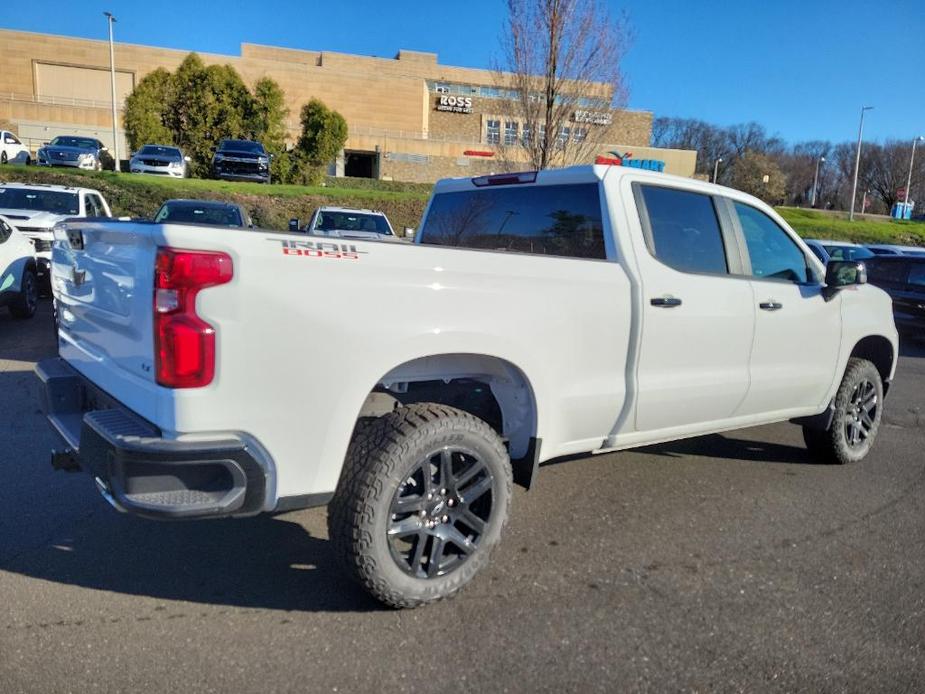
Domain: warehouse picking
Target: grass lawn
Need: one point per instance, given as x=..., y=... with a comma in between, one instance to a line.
x=819, y=225
x=270, y=206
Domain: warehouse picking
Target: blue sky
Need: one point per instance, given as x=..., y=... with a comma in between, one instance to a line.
x=802, y=69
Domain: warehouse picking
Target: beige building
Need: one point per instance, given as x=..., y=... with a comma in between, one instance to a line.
x=410, y=118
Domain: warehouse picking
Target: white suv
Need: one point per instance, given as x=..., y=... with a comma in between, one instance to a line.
x=34, y=209
x=18, y=284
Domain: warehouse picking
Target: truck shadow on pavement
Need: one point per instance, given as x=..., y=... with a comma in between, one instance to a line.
x=263, y=562
x=729, y=448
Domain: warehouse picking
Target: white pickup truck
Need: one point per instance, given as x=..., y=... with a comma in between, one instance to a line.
x=207, y=373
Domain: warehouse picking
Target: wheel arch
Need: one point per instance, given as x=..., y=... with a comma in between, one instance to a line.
x=878, y=350
x=447, y=378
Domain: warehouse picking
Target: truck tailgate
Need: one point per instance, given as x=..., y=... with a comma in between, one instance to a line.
x=102, y=279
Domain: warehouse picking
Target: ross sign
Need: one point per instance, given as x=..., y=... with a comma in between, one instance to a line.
x=593, y=117
x=454, y=104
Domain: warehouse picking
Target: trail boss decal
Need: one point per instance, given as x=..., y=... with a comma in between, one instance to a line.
x=319, y=249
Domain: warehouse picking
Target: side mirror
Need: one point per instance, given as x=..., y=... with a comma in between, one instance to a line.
x=843, y=273
x=294, y=224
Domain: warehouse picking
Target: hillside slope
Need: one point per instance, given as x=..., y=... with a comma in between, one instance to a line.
x=271, y=207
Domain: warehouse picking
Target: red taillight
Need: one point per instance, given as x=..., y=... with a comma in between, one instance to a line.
x=184, y=344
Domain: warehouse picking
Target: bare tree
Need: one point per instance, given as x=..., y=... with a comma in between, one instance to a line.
x=562, y=78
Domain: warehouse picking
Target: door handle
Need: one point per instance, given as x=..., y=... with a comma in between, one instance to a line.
x=665, y=301
x=770, y=306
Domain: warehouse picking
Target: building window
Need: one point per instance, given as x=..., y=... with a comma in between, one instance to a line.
x=493, y=132
x=441, y=88
x=579, y=135
x=510, y=132
x=565, y=133
x=541, y=133
x=526, y=134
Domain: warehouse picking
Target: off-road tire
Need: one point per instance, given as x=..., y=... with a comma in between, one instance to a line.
x=378, y=461
x=832, y=445
x=25, y=304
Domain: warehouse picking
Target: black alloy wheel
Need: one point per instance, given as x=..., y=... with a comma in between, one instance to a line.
x=439, y=513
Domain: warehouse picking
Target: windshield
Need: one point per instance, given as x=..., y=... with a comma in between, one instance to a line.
x=241, y=146
x=848, y=252
x=82, y=142
x=157, y=150
x=192, y=213
x=39, y=200
x=352, y=221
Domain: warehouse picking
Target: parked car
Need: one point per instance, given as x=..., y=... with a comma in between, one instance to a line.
x=541, y=315
x=18, y=280
x=348, y=223
x=211, y=212
x=76, y=152
x=12, y=151
x=903, y=278
x=241, y=160
x=827, y=250
x=36, y=208
x=165, y=160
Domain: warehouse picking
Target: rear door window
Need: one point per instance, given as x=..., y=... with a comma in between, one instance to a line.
x=684, y=230
x=92, y=209
x=558, y=220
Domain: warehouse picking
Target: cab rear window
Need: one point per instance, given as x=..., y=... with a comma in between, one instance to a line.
x=559, y=220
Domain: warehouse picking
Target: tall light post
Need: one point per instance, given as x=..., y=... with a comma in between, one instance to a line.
x=820, y=160
x=716, y=168
x=112, y=74
x=909, y=179
x=857, y=162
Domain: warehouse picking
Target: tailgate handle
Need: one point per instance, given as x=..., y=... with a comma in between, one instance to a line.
x=75, y=237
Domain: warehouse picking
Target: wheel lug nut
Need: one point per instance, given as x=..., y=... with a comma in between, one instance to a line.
x=422, y=513
x=443, y=491
x=446, y=519
x=451, y=502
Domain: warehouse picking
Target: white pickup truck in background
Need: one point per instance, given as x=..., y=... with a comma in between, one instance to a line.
x=35, y=208
x=208, y=373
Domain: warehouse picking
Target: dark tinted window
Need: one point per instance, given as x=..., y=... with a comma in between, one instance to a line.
x=685, y=230
x=81, y=142
x=774, y=255
x=562, y=220
x=848, y=252
x=157, y=150
x=241, y=146
x=38, y=199
x=917, y=274
x=887, y=271
x=187, y=213
x=330, y=220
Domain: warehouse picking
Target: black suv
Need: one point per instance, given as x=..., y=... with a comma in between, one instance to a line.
x=903, y=278
x=241, y=160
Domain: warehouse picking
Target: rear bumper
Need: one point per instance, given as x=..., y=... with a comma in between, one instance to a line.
x=134, y=467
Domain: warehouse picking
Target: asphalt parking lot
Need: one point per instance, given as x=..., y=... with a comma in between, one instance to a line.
x=724, y=563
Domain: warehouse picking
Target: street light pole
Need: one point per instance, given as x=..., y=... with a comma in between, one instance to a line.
x=909, y=179
x=820, y=160
x=112, y=74
x=716, y=168
x=857, y=163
